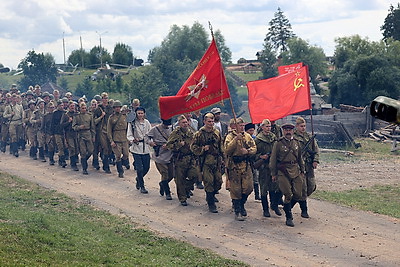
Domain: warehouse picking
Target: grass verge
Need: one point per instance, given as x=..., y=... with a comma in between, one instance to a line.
x=41, y=227
x=381, y=199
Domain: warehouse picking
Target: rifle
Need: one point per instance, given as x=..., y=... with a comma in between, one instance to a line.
x=306, y=148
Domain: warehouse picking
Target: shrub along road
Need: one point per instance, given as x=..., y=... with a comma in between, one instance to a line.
x=333, y=236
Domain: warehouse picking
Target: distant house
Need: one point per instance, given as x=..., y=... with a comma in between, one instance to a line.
x=50, y=87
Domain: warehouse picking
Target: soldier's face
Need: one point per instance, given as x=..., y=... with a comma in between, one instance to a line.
x=288, y=133
x=117, y=109
x=83, y=109
x=240, y=127
x=183, y=123
x=209, y=123
x=266, y=128
x=301, y=127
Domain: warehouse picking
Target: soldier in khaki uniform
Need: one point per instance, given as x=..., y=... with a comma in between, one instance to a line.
x=14, y=113
x=287, y=167
x=71, y=136
x=4, y=122
x=207, y=145
x=311, y=159
x=59, y=136
x=264, y=142
x=239, y=147
x=186, y=169
x=36, y=121
x=157, y=138
x=29, y=129
x=117, y=130
x=83, y=124
x=47, y=130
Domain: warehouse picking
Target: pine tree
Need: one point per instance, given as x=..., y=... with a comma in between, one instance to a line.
x=279, y=31
x=391, y=27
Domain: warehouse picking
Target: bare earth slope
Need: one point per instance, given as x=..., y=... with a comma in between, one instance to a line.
x=333, y=236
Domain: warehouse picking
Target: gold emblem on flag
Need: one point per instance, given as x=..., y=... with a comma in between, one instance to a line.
x=298, y=82
x=195, y=90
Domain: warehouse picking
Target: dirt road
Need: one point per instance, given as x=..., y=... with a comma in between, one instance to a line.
x=333, y=236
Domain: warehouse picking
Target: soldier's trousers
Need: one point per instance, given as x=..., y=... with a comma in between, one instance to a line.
x=291, y=188
x=60, y=142
x=49, y=139
x=164, y=170
x=72, y=143
x=241, y=182
x=16, y=132
x=121, y=148
x=4, y=132
x=265, y=181
x=310, y=184
x=41, y=139
x=31, y=135
x=85, y=145
x=186, y=173
x=105, y=144
x=212, y=178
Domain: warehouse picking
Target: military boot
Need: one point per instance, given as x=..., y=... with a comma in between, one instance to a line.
x=288, y=212
x=61, y=161
x=95, y=162
x=51, y=157
x=41, y=154
x=34, y=153
x=264, y=202
x=120, y=169
x=215, y=199
x=167, y=190
x=256, y=191
x=162, y=190
x=237, y=209
x=273, y=198
x=304, y=210
x=106, y=164
x=142, y=188
x=14, y=149
x=84, y=166
x=73, y=160
x=125, y=163
x=211, y=203
x=242, y=202
x=2, y=147
x=31, y=152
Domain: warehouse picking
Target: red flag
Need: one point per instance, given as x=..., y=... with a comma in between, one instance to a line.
x=280, y=96
x=289, y=68
x=204, y=87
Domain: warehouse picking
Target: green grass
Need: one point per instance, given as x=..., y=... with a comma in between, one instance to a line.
x=378, y=199
x=248, y=76
x=41, y=227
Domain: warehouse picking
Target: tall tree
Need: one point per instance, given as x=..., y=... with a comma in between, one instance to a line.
x=38, y=68
x=391, y=26
x=224, y=51
x=279, y=31
x=97, y=56
x=80, y=57
x=122, y=54
x=267, y=57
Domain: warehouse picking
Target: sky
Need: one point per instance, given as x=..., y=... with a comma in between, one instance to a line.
x=43, y=25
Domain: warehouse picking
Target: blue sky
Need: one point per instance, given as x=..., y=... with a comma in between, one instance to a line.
x=42, y=24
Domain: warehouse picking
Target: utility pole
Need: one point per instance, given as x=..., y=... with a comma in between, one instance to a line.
x=64, y=49
x=101, y=51
x=80, y=38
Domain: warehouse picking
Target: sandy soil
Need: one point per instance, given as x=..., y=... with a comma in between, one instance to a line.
x=333, y=236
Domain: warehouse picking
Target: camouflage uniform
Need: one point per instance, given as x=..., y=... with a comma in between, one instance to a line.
x=83, y=124
x=264, y=143
x=116, y=131
x=287, y=165
x=239, y=170
x=186, y=168
x=210, y=162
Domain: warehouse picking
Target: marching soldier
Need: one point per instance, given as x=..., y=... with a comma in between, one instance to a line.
x=59, y=133
x=239, y=146
x=264, y=142
x=83, y=124
x=157, y=138
x=36, y=121
x=186, y=169
x=117, y=131
x=14, y=113
x=5, y=122
x=71, y=135
x=310, y=153
x=287, y=167
x=47, y=129
x=29, y=129
x=207, y=145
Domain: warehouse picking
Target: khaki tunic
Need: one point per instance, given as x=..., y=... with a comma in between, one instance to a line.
x=36, y=121
x=15, y=126
x=101, y=127
x=71, y=136
x=239, y=173
x=186, y=167
x=83, y=124
x=29, y=129
x=303, y=138
x=116, y=132
x=264, y=143
x=287, y=154
x=210, y=160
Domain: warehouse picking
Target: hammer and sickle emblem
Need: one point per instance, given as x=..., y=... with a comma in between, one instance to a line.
x=298, y=82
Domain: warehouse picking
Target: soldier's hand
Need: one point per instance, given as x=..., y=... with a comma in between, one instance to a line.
x=103, y=114
x=273, y=178
x=164, y=147
x=152, y=144
x=113, y=144
x=82, y=126
x=206, y=147
x=182, y=143
x=264, y=156
x=239, y=137
x=244, y=151
x=315, y=165
x=70, y=119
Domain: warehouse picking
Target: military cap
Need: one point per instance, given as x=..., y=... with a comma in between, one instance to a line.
x=50, y=105
x=67, y=94
x=117, y=103
x=59, y=102
x=287, y=126
x=249, y=126
x=167, y=122
x=124, y=107
x=39, y=100
x=215, y=110
x=238, y=120
x=13, y=86
x=65, y=100
x=208, y=115
x=8, y=95
x=104, y=95
x=266, y=122
x=31, y=102
x=46, y=94
x=300, y=120
x=29, y=92
x=30, y=87
x=97, y=97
